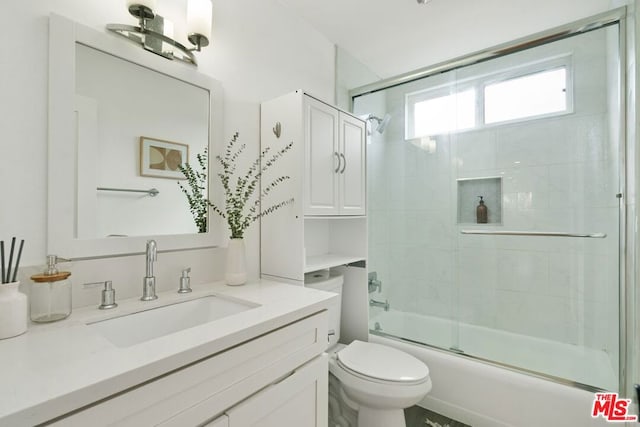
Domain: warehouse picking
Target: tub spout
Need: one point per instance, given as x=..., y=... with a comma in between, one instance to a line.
x=374, y=303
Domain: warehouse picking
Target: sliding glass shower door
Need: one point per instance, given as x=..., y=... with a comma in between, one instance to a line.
x=494, y=208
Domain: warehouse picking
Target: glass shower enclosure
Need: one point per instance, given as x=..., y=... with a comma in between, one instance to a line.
x=494, y=206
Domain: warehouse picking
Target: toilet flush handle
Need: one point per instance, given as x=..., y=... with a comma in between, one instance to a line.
x=330, y=333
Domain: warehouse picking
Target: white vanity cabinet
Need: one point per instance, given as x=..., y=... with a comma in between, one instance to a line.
x=264, y=381
x=334, y=156
x=293, y=401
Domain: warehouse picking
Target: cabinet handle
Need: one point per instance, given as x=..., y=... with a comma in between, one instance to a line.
x=344, y=165
x=338, y=157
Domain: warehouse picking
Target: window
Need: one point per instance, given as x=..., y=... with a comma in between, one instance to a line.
x=445, y=113
x=533, y=91
x=534, y=95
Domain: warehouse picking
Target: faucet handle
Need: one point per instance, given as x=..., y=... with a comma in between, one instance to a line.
x=108, y=296
x=185, y=281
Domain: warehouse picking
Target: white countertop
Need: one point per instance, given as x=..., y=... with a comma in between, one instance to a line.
x=55, y=368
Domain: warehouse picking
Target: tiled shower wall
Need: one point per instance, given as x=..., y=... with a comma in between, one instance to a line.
x=558, y=174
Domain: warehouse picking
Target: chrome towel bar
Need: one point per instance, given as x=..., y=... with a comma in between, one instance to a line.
x=153, y=192
x=536, y=233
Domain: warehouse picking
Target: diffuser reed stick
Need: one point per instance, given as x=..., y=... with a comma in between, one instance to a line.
x=13, y=246
x=15, y=272
x=9, y=272
x=2, y=256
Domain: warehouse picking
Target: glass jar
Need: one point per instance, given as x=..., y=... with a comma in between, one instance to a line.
x=50, y=298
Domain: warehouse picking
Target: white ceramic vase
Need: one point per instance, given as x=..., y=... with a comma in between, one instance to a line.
x=236, y=271
x=13, y=310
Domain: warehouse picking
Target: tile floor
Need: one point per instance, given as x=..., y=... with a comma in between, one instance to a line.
x=420, y=417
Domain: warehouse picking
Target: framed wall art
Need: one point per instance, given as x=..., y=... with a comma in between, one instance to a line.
x=160, y=158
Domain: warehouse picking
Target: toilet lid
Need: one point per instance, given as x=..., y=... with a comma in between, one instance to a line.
x=382, y=362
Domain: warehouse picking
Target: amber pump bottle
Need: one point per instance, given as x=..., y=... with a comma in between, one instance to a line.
x=481, y=212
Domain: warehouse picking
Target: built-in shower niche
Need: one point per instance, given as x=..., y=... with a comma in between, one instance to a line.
x=469, y=190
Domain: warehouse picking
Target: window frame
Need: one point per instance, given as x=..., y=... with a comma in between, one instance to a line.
x=479, y=84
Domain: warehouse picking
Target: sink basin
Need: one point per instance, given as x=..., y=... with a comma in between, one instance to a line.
x=127, y=330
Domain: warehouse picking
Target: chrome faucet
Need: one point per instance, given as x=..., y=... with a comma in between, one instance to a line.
x=149, y=281
x=374, y=303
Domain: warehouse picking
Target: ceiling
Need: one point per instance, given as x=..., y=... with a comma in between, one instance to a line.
x=392, y=37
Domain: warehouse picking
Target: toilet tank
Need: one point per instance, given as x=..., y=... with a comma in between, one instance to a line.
x=330, y=281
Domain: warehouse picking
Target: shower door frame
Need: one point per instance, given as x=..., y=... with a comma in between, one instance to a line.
x=627, y=267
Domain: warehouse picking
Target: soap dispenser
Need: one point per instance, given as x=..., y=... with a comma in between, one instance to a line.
x=481, y=212
x=50, y=298
x=185, y=282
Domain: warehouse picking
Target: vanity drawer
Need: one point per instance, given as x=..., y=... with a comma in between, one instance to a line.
x=207, y=388
x=301, y=399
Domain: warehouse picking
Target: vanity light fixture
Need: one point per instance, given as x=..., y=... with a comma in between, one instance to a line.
x=155, y=33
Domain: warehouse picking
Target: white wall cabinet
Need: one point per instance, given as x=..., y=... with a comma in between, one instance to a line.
x=221, y=389
x=326, y=225
x=334, y=143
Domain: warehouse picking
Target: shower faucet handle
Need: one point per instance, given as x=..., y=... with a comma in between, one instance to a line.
x=374, y=283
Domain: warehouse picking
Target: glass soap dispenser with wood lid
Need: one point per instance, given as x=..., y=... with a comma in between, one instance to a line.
x=50, y=298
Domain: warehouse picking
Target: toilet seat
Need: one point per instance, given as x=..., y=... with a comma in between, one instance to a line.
x=383, y=364
x=365, y=393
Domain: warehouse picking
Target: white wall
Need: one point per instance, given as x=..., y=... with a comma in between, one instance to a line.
x=350, y=73
x=259, y=50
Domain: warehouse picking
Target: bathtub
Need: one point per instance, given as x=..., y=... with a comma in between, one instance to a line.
x=486, y=395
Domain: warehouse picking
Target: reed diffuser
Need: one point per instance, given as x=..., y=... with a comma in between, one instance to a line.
x=13, y=303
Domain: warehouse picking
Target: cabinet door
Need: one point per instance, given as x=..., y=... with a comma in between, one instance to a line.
x=222, y=421
x=322, y=158
x=352, y=172
x=299, y=400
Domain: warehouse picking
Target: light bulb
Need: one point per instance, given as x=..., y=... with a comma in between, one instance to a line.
x=199, y=15
x=167, y=31
x=151, y=4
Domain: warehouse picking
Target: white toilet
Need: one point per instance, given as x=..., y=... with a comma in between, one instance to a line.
x=375, y=380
